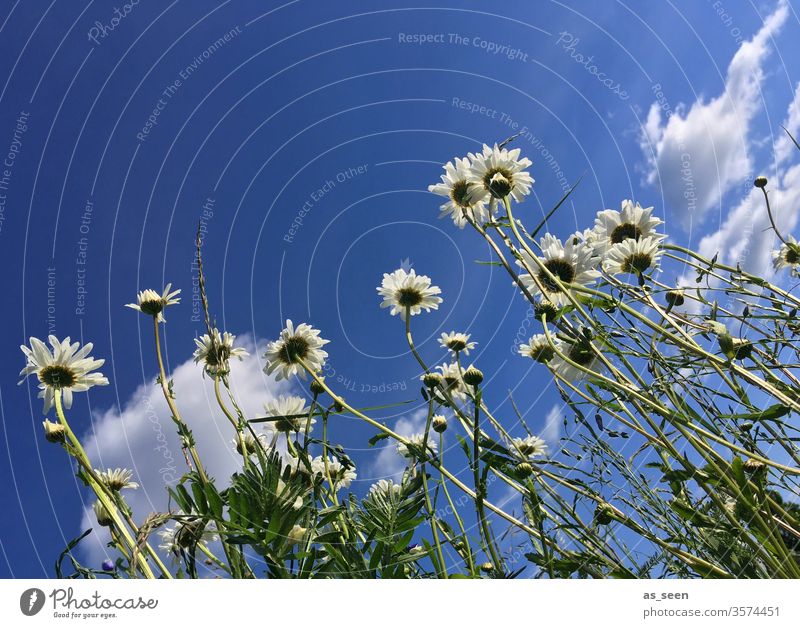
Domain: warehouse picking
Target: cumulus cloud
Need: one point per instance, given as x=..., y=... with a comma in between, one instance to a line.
x=390, y=464
x=699, y=152
x=142, y=436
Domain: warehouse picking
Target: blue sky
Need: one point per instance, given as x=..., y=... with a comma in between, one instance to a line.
x=306, y=140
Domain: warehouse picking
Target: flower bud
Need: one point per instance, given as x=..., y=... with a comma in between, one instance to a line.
x=675, y=297
x=760, y=182
x=487, y=567
x=751, y=465
x=296, y=534
x=472, y=376
x=316, y=387
x=337, y=406
x=524, y=469
x=439, y=423
x=54, y=432
x=603, y=514
x=108, y=565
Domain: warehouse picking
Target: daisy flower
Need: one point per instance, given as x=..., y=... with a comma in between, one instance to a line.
x=416, y=441
x=116, y=479
x=456, y=341
x=632, y=222
x=296, y=534
x=403, y=290
x=341, y=476
x=249, y=442
x=151, y=303
x=572, y=262
x=632, y=256
x=500, y=172
x=67, y=369
x=578, y=352
x=788, y=256
x=453, y=381
x=385, y=488
x=283, y=356
x=184, y=534
x=530, y=446
x=464, y=198
x=215, y=350
x=537, y=349
x=292, y=412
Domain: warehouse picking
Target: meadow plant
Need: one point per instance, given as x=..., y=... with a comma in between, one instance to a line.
x=699, y=379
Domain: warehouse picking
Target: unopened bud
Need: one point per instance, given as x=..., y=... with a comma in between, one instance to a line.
x=487, y=567
x=473, y=376
x=524, y=469
x=54, y=432
x=760, y=182
x=316, y=387
x=439, y=423
x=431, y=380
x=675, y=297
x=103, y=517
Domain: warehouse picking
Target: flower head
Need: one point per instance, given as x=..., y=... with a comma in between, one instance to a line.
x=298, y=344
x=246, y=442
x=464, y=198
x=386, y=489
x=215, y=350
x=187, y=532
x=116, y=479
x=501, y=173
x=151, y=303
x=537, y=349
x=578, y=352
x=66, y=369
x=457, y=342
x=291, y=413
x=632, y=256
x=632, y=222
x=529, y=447
x=453, y=380
x=403, y=291
x=571, y=262
x=341, y=476
x=788, y=256
x=414, y=448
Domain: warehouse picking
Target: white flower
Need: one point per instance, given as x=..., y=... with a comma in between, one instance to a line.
x=501, y=173
x=537, y=349
x=416, y=441
x=632, y=256
x=151, y=303
x=464, y=197
x=67, y=368
x=386, y=488
x=573, y=262
x=296, y=534
x=303, y=343
x=292, y=412
x=453, y=381
x=403, y=290
x=580, y=353
x=185, y=533
x=456, y=341
x=341, y=476
x=116, y=479
x=788, y=256
x=530, y=446
x=215, y=350
x=250, y=443
x=633, y=222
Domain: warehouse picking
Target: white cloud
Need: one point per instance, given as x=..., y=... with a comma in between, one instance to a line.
x=699, y=153
x=142, y=436
x=784, y=147
x=388, y=463
x=551, y=432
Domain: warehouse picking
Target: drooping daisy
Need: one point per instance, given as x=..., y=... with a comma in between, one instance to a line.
x=530, y=446
x=247, y=442
x=185, y=533
x=457, y=342
x=465, y=198
x=416, y=441
x=580, y=353
x=537, y=349
x=453, y=380
x=403, y=290
x=116, y=479
x=501, y=173
x=572, y=262
x=632, y=222
x=296, y=534
x=151, y=303
x=341, y=476
x=292, y=412
x=788, y=256
x=632, y=256
x=216, y=350
x=386, y=489
x=67, y=369
x=303, y=343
